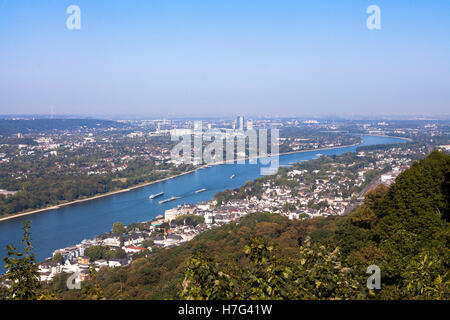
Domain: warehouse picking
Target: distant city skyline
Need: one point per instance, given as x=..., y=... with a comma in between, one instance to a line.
x=231, y=117
x=208, y=59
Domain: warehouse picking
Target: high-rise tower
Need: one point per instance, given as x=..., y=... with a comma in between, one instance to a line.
x=240, y=123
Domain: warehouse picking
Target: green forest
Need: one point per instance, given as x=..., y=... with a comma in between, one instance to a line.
x=404, y=230
x=53, y=189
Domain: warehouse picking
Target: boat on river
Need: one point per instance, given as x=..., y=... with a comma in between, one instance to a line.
x=152, y=196
x=167, y=200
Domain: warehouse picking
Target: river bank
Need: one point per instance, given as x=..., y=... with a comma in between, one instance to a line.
x=383, y=135
x=58, y=206
x=71, y=224
x=54, y=207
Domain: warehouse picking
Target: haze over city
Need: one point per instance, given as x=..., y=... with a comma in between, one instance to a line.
x=209, y=58
x=252, y=155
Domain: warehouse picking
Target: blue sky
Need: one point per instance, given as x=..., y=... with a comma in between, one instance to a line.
x=211, y=57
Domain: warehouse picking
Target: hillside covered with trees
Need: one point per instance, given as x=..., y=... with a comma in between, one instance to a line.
x=404, y=230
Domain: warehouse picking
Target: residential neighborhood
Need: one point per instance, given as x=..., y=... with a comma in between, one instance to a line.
x=322, y=187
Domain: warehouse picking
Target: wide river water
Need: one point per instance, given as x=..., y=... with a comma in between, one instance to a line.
x=69, y=225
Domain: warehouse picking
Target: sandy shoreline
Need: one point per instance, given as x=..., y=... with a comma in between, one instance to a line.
x=382, y=135
x=54, y=207
x=58, y=206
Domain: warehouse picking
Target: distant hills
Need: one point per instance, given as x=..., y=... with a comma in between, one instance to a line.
x=9, y=126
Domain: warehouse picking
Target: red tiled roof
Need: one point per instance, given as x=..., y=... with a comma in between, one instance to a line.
x=136, y=248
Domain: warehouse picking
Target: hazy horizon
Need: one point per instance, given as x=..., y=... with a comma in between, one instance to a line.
x=206, y=59
x=379, y=117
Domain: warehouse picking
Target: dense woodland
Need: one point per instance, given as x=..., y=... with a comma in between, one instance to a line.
x=53, y=188
x=404, y=230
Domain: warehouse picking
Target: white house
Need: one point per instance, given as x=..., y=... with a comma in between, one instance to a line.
x=112, y=241
x=209, y=218
x=170, y=214
x=101, y=263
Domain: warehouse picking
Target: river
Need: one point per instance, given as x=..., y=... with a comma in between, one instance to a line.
x=69, y=225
